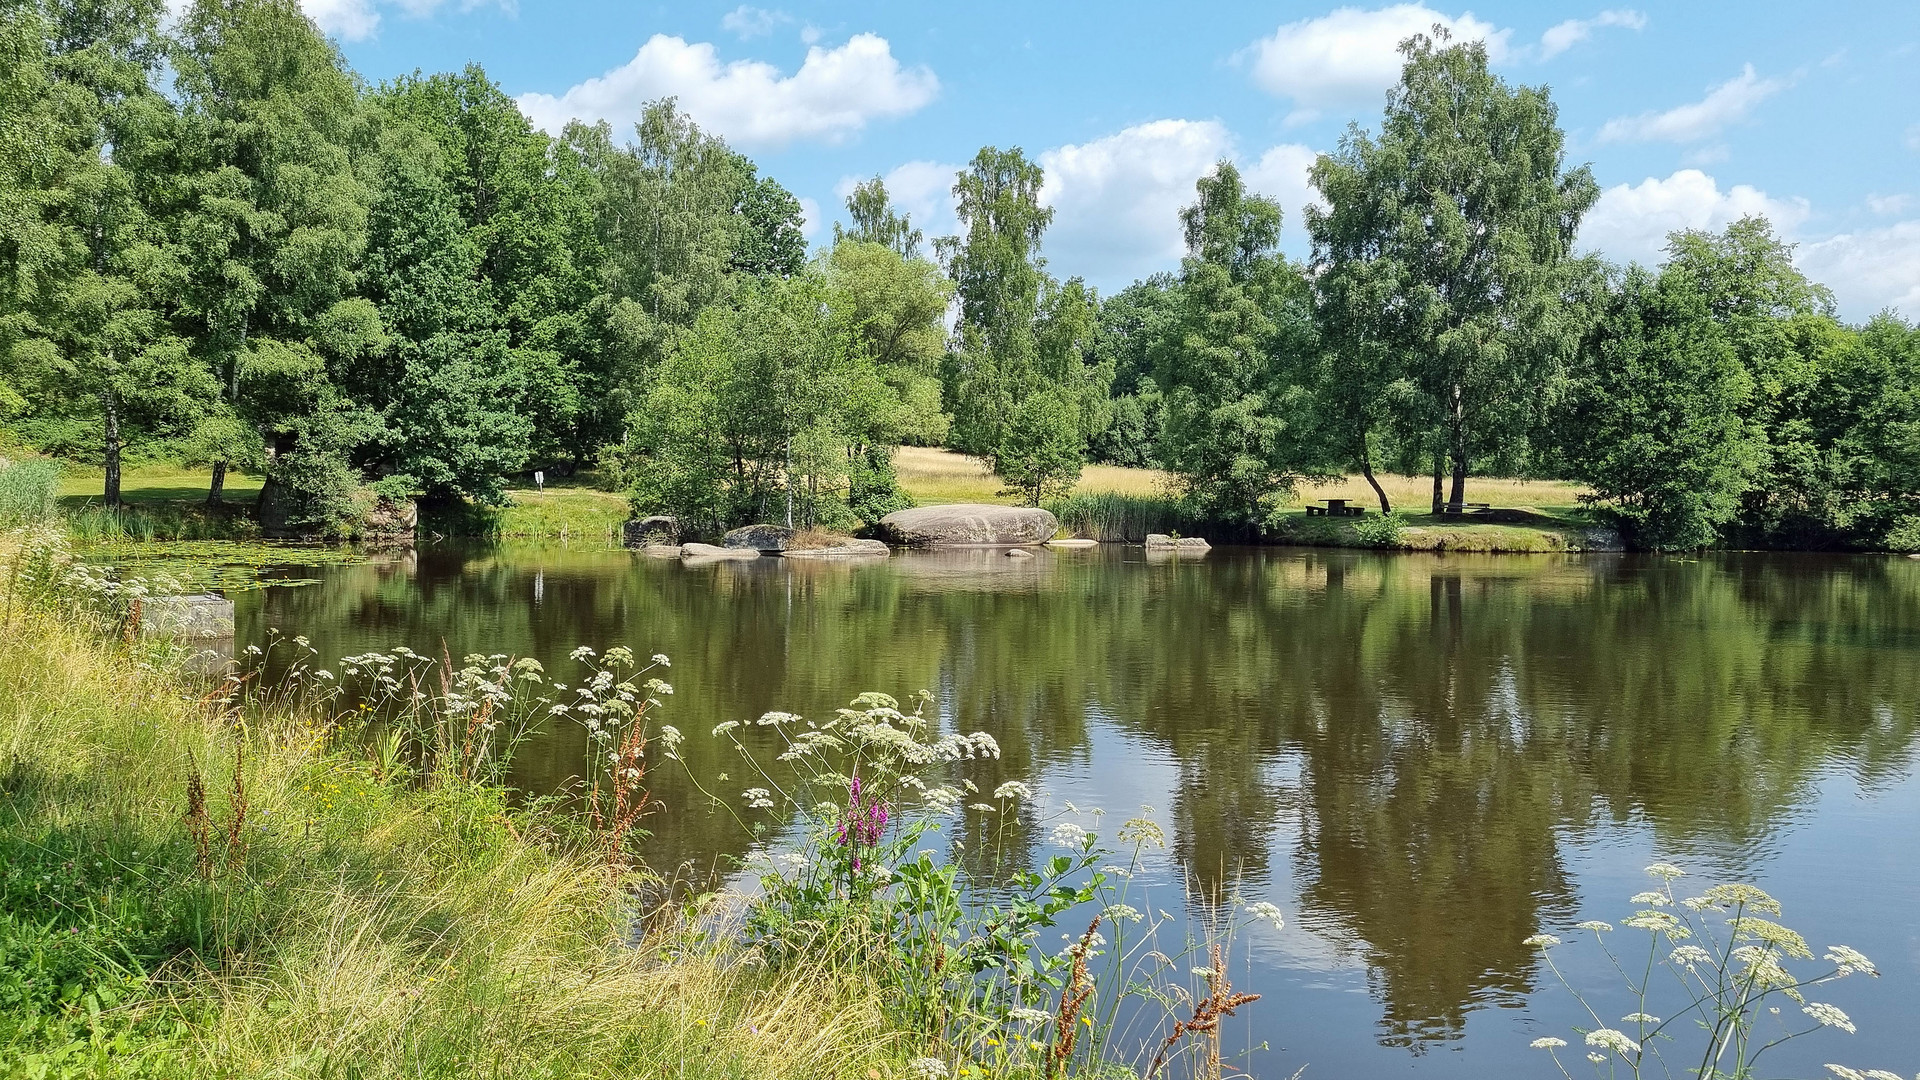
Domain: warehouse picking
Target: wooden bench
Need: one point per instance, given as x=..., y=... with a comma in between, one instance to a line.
x=1452, y=508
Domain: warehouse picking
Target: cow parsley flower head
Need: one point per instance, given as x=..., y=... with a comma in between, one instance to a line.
x=1068, y=835
x=1639, y=1018
x=1666, y=872
x=758, y=798
x=1267, y=913
x=1849, y=960
x=1828, y=1016
x=1650, y=898
x=1689, y=955
x=1541, y=941
x=1548, y=1043
x=1594, y=925
x=1025, y=1015
x=1014, y=789
x=1609, y=1039
x=930, y=1068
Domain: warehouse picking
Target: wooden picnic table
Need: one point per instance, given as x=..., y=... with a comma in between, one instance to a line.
x=1465, y=508
x=1335, y=508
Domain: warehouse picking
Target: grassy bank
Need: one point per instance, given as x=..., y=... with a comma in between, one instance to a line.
x=558, y=513
x=324, y=916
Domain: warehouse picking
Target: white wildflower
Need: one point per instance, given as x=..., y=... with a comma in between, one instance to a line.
x=985, y=808
x=1639, y=1018
x=1828, y=1016
x=1068, y=835
x=1689, y=955
x=929, y=1068
x=1609, y=1039
x=582, y=653
x=1541, y=941
x=1595, y=925
x=1202, y=972
x=1548, y=1043
x=1665, y=872
x=1124, y=912
x=1014, y=789
x=1849, y=960
x=1597, y=1059
x=660, y=658
x=1650, y=898
x=774, y=719
x=1025, y=1015
x=725, y=726
x=1268, y=913
x=942, y=799
x=758, y=798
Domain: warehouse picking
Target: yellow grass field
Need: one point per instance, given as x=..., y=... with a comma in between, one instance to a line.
x=941, y=476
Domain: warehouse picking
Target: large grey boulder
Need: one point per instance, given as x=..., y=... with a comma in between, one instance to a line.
x=970, y=525
x=648, y=531
x=708, y=551
x=203, y=617
x=848, y=548
x=1163, y=542
x=766, y=539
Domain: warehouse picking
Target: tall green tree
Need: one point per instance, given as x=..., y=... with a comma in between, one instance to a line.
x=893, y=307
x=876, y=222
x=527, y=213
x=758, y=414
x=1451, y=233
x=268, y=219
x=1658, y=422
x=80, y=323
x=1128, y=330
x=1021, y=356
x=1231, y=360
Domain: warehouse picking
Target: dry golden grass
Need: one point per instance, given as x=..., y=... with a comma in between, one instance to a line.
x=933, y=475
x=1415, y=493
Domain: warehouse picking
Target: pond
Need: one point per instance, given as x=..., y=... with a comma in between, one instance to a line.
x=1422, y=760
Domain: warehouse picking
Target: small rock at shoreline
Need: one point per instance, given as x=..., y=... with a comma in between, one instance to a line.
x=708, y=551
x=1163, y=542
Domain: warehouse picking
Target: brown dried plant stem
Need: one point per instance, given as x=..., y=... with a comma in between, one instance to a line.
x=1221, y=1000
x=1072, y=1000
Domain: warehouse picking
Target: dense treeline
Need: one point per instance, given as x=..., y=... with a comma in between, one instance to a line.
x=219, y=246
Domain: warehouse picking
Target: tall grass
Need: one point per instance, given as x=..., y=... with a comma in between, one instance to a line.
x=159, y=522
x=572, y=513
x=1116, y=518
x=27, y=491
x=313, y=914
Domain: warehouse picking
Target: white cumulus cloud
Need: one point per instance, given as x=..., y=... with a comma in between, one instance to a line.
x=1351, y=56
x=1725, y=104
x=1116, y=200
x=1631, y=221
x=1281, y=175
x=358, y=20
x=835, y=93
x=1563, y=36
x=1869, y=270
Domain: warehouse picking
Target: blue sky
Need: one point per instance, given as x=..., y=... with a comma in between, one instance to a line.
x=1690, y=113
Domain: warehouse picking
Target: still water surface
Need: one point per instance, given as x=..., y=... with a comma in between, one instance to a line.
x=1421, y=759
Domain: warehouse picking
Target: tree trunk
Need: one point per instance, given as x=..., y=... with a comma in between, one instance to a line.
x=1366, y=470
x=111, y=493
x=1439, y=502
x=219, y=485
x=1459, y=496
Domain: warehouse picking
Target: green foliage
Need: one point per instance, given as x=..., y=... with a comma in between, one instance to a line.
x=1113, y=519
x=27, y=490
x=758, y=415
x=1659, y=427
x=1381, y=532
x=1020, y=334
x=1130, y=326
x=1230, y=357
x=876, y=222
x=1444, y=259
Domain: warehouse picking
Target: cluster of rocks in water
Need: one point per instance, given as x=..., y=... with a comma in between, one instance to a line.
x=1017, y=529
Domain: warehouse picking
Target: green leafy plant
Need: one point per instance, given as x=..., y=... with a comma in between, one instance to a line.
x=1382, y=531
